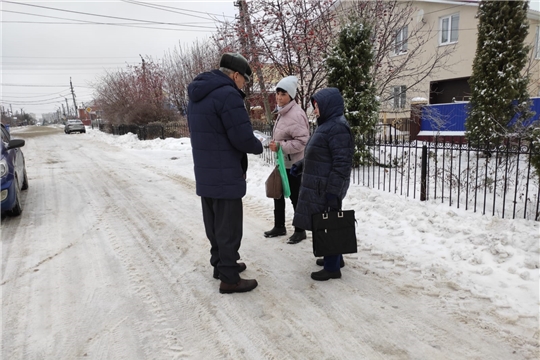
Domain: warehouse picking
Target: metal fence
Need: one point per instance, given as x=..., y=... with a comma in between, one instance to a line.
x=150, y=131
x=495, y=179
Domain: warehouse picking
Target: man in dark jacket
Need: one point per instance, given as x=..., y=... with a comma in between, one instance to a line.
x=327, y=167
x=221, y=136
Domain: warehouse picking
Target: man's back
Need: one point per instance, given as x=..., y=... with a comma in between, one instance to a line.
x=221, y=135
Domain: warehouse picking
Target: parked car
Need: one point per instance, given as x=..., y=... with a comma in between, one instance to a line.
x=13, y=171
x=74, y=125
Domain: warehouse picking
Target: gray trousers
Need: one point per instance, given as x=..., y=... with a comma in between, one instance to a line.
x=223, y=221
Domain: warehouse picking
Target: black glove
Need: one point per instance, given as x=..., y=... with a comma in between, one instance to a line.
x=297, y=168
x=333, y=202
x=294, y=171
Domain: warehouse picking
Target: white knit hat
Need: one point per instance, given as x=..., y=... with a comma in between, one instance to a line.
x=288, y=84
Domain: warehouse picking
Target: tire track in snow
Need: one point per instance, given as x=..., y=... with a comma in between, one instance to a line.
x=139, y=274
x=183, y=308
x=34, y=268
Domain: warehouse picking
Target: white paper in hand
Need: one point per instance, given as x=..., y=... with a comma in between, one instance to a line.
x=262, y=137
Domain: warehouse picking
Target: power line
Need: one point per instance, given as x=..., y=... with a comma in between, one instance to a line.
x=439, y=10
x=32, y=102
x=96, y=23
x=68, y=57
x=86, y=22
x=58, y=64
x=33, y=96
x=174, y=9
x=81, y=22
x=35, y=85
x=96, y=15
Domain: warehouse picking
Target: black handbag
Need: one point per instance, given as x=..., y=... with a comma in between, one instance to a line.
x=334, y=233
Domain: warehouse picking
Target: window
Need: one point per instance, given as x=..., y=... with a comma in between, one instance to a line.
x=537, y=47
x=400, y=44
x=449, y=29
x=5, y=135
x=400, y=96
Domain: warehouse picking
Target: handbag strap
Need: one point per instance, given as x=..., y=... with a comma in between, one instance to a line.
x=340, y=211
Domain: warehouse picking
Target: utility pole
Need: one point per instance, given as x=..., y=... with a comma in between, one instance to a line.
x=243, y=44
x=67, y=108
x=143, y=64
x=143, y=70
x=73, y=95
x=246, y=26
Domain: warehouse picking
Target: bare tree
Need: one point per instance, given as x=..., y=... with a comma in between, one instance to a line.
x=183, y=64
x=135, y=95
x=112, y=95
x=291, y=37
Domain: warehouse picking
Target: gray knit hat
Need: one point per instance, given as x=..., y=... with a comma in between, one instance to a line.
x=236, y=62
x=288, y=84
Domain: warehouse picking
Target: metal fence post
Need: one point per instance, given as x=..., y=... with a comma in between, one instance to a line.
x=423, y=175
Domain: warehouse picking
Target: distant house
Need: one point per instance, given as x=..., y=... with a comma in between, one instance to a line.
x=271, y=77
x=89, y=113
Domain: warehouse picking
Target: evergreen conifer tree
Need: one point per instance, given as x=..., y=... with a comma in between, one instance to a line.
x=349, y=68
x=499, y=100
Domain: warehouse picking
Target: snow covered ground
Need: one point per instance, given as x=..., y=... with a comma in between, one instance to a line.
x=109, y=261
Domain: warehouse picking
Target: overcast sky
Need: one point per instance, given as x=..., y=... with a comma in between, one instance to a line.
x=44, y=43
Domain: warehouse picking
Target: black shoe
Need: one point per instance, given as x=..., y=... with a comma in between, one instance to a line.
x=324, y=275
x=320, y=262
x=242, y=266
x=276, y=231
x=243, y=285
x=297, y=237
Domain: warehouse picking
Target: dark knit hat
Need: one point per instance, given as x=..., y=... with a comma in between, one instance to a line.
x=236, y=62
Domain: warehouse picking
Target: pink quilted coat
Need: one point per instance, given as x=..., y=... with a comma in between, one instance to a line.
x=291, y=130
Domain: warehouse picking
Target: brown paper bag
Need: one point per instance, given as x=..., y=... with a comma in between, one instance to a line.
x=274, y=188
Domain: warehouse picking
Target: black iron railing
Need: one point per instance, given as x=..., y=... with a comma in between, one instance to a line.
x=150, y=131
x=496, y=179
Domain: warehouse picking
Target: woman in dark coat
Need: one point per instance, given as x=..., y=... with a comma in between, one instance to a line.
x=326, y=169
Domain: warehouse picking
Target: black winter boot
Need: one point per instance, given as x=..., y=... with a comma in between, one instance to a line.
x=324, y=275
x=276, y=231
x=297, y=237
x=244, y=285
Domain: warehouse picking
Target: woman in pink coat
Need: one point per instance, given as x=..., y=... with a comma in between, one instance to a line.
x=291, y=133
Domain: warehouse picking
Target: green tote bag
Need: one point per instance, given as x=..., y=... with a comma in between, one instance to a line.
x=283, y=172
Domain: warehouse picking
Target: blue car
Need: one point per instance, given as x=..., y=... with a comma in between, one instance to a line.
x=13, y=170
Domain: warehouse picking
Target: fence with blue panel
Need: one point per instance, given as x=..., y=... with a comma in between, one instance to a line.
x=449, y=119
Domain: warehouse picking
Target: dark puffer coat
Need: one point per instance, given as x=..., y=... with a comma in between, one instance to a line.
x=221, y=136
x=327, y=160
